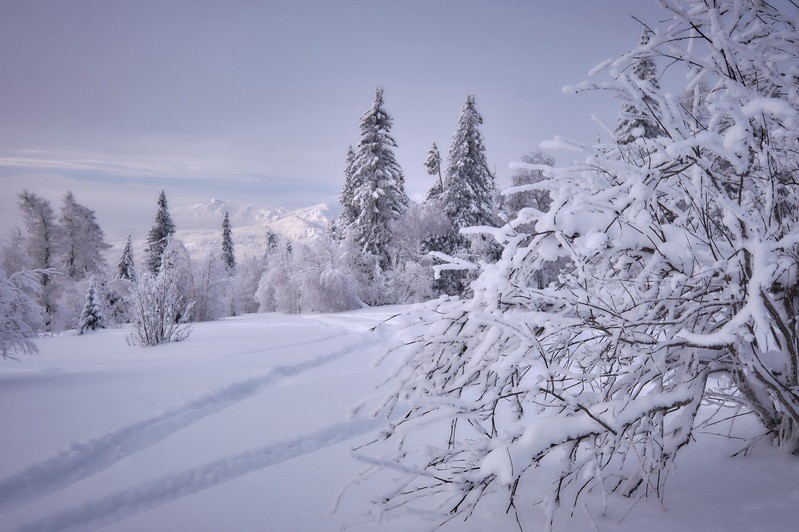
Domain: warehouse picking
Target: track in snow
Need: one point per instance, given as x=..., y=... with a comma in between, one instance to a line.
x=83, y=459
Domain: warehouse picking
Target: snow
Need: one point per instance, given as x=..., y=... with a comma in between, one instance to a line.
x=246, y=426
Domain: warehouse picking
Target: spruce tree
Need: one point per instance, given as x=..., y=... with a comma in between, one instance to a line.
x=380, y=195
x=637, y=117
x=349, y=210
x=433, y=165
x=159, y=235
x=83, y=240
x=228, y=256
x=125, y=267
x=91, y=317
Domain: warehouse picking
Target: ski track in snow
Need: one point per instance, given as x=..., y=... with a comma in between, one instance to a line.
x=81, y=460
x=128, y=502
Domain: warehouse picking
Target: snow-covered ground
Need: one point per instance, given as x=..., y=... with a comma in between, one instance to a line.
x=244, y=426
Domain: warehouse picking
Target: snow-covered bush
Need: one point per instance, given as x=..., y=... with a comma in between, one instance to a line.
x=212, y=286
x=159, y=313
x=684, y=264
x=20, y=315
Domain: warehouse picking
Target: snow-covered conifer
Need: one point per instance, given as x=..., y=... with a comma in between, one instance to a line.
x=125, y=267
x=159, y=235
x=380, y=196
x=83, y=240
x=433, y=165
x=683, y=293
x=349, y=208
x=227, y=244
x=92, y=316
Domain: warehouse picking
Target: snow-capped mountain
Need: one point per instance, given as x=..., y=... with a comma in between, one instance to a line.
x=200, y=226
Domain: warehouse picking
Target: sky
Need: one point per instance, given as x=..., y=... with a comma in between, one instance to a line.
x=256, y=101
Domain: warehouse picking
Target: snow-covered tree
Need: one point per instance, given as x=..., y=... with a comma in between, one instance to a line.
x=468, y=198
x=83, y=240
x=380, y=194
x=227, y=244
x=20, y=315
x=159, y=235
x=92, y=316
x=125, y=268
x=159, y=313
x=277, y=290
x=433, y=165
x=639, y=111
x=349, y=208
x=176, y=259
x=13, y=252
x=212, y=287
x=684, y=288
x=523, y=193
x=43, y=238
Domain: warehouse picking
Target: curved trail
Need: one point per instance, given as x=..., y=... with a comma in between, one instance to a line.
x=83, y=459
x=147, y=495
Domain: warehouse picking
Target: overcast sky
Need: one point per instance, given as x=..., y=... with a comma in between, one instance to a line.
x=256, y=101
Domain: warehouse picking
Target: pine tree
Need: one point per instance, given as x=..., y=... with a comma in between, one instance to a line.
x=433, y=165
x=91, y=317
x=227, y=244
x=380, y=195
x=83, y=240
x=125, y=267
x=637, y=116
x=349, y=210
x=159, y=235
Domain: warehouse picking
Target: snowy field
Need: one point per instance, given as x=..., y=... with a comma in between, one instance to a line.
x=245, y=426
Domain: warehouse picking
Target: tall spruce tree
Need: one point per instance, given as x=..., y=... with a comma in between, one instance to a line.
x=349, y=210
x=637, y=114
x=228, y=257
x=83, y=240
x=125, y=267
x=380, y=197
x=158, y=236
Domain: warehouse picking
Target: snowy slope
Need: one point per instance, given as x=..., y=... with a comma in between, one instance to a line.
x=244, y=426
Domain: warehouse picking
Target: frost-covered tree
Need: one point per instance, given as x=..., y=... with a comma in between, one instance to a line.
x=639, y=112
x=380, y=194
x=159, y=235
x=468, y=198
x=212, y=287
x=349, y=208
x=523, y=192
x=433, y=165
x=159, y=313
x=227, y=244
x=83, y=241
x=125, y=268
x=43, y=238
x=92, y=316
x=20, y=315
x=13, y=252
x=277, y=290
x=684, y=288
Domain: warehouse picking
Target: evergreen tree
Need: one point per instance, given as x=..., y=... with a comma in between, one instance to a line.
x=83, y=240
x=380, y=195
x=125, y=267
x=227, y=244
x=638, y=112
x=433, y=165
x=349, y=210
x=159, y=235
x=467, y=199
x=91, y=317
